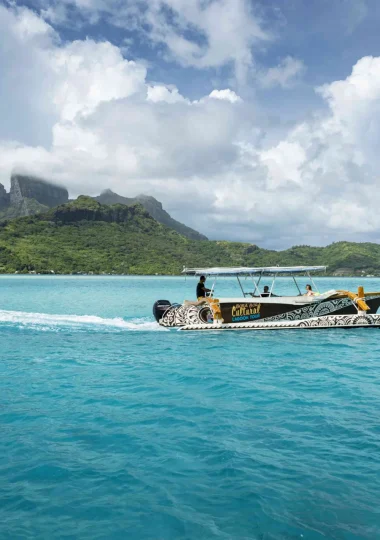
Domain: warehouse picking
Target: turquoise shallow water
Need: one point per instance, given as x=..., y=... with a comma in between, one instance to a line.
x=114, y=428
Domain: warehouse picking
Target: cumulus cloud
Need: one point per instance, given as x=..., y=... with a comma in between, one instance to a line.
x=168, y=94
x=355, y=108
x=90, y=73
x=26, y=108
x=105, y=124
x=226, y=94
x=106, y=117
x=285, y=74
x=226, y=31
x=196, y=33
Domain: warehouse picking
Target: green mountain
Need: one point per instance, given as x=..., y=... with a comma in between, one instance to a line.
x=154, y=208
x=31, y=195
x=86, y=236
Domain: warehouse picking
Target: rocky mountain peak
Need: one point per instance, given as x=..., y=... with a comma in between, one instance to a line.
x=149, y=200
x=4, y=197
x=154, y=209
x=29, y=195
x=32, y=195
x=31, y=187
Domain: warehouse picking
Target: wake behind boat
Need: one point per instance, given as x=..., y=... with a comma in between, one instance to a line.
x=252, y=309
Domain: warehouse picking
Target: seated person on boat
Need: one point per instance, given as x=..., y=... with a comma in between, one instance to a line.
x=266, y=291
x=310, y=292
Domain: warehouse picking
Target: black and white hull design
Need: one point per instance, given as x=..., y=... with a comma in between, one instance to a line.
x=243, y=311
x=324, y=322
x=254, y=309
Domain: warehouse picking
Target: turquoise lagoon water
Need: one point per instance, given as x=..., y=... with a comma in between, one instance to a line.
x=114, y=428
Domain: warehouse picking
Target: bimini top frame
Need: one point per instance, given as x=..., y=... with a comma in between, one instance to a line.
x=256, y=273
x=245, y=271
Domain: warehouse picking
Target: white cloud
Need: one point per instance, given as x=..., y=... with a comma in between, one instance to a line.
x=160, y=92
x=91, y=73
x=28, y=26
x=26, y=109
x=106, y=125
x=285, y=74
x=226, y=94
x=197, y=33
x=228, y=30
x=284, y=163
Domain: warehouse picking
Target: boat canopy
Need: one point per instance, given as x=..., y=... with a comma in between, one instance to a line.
x=244, y=271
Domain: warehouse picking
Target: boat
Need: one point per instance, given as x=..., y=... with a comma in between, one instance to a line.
x=253, y=309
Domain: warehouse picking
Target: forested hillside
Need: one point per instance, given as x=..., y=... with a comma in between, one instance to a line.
x=85, y=236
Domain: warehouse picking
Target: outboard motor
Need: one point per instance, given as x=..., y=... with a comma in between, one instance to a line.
x=159, y=309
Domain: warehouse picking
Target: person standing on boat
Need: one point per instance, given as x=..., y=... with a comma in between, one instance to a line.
x=201, y=289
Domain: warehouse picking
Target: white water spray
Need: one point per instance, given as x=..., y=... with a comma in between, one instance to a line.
x=46, y=321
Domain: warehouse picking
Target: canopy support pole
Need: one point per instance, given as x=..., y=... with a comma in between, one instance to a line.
x=295, y=281
x=213, y=286
x=242, y=290
x=271, y=288
x=256, y=284
x=311, y=279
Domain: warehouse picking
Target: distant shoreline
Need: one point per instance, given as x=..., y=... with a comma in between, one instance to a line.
x=93, y=275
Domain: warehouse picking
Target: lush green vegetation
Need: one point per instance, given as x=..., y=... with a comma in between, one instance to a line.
x=85, y=236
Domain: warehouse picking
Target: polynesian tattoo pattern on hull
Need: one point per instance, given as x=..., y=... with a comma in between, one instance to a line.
x=183, y=315
x=316, y=310
x=327, y=321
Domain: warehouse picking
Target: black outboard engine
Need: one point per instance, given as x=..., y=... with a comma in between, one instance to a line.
x=159, y=309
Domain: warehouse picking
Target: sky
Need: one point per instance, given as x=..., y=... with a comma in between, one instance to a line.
x=250, y=120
